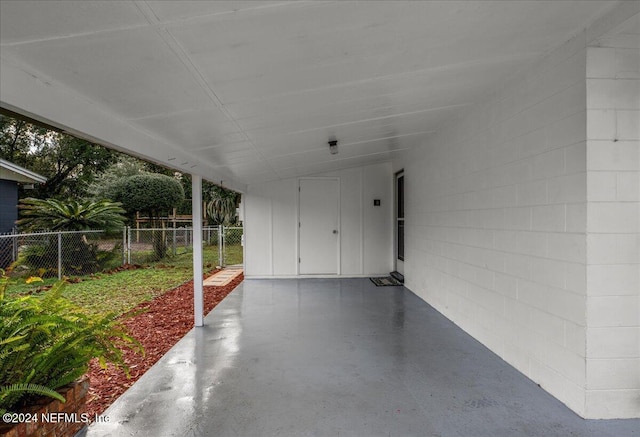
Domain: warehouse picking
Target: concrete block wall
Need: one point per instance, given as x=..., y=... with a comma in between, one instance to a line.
x=496, y=222
x=522, y=222
x=613, y=229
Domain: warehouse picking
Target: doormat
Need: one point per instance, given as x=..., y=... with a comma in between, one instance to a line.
x=386, y=281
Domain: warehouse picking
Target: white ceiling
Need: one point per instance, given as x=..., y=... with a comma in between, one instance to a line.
x=252, y=91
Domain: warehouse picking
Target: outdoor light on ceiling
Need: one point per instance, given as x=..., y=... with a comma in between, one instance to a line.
x=333, y=147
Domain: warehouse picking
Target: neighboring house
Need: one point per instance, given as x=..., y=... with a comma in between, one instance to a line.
x=11, y=175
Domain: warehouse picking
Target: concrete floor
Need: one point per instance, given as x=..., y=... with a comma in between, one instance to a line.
x=337, y=357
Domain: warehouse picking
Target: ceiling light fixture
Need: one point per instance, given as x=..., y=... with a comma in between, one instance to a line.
x=333, y=147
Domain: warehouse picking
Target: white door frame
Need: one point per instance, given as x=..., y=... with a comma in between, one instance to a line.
x=398, y=264
x=338, y=251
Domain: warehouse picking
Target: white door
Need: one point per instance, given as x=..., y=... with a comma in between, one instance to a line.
x=319, y=226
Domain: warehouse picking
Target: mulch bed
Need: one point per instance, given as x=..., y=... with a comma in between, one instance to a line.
x=164, y=321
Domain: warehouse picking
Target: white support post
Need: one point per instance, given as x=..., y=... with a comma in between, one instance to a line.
x=196, y=217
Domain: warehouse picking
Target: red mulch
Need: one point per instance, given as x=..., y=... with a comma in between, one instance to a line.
x=165, y=320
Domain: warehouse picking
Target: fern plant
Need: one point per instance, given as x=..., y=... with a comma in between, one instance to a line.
x=9, y=390
x=46, y=342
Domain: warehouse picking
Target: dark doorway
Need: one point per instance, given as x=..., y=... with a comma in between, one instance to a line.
x=400, y=222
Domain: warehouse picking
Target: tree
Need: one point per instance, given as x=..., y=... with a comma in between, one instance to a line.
x=153, y=194
x=70, y=164
x=104, y=184
x=18, y=138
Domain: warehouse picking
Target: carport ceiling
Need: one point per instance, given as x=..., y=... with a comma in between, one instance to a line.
x=252, y=91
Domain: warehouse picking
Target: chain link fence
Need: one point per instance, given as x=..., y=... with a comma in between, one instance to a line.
x=78, y=253
x=156, y=244
x=232, y=244
x=150, y=245
x=50, y=254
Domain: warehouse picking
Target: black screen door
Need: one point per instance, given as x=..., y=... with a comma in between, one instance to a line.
x=400, y=216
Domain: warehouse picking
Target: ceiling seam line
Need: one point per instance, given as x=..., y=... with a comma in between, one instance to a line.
x=347, y=158
x=440, y=69
x=160, y=23
x=462, y=105
x=212, y=94
x=341, y=144
x=301, y=152
x=166, y=36
x=206, y=17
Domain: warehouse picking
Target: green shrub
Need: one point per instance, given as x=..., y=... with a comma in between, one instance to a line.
x=153, y=194
x=78, y=257
x=46, y=342
x=40, y=260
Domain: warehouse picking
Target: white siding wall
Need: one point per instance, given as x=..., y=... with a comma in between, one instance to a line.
x=271, y=223
x=613, y=227
x=496, y=222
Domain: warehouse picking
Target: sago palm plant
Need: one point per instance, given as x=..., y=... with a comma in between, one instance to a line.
x=55, y=215
x=72, y=215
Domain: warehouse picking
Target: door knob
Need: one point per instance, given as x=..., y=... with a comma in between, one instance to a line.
x=335, y=231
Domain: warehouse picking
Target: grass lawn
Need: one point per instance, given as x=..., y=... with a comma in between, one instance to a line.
x=119, y=292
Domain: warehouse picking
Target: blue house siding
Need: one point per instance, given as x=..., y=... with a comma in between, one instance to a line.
x=8, y=205
x=8, y=217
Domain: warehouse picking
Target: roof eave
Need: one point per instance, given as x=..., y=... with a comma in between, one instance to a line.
x=14, y=172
